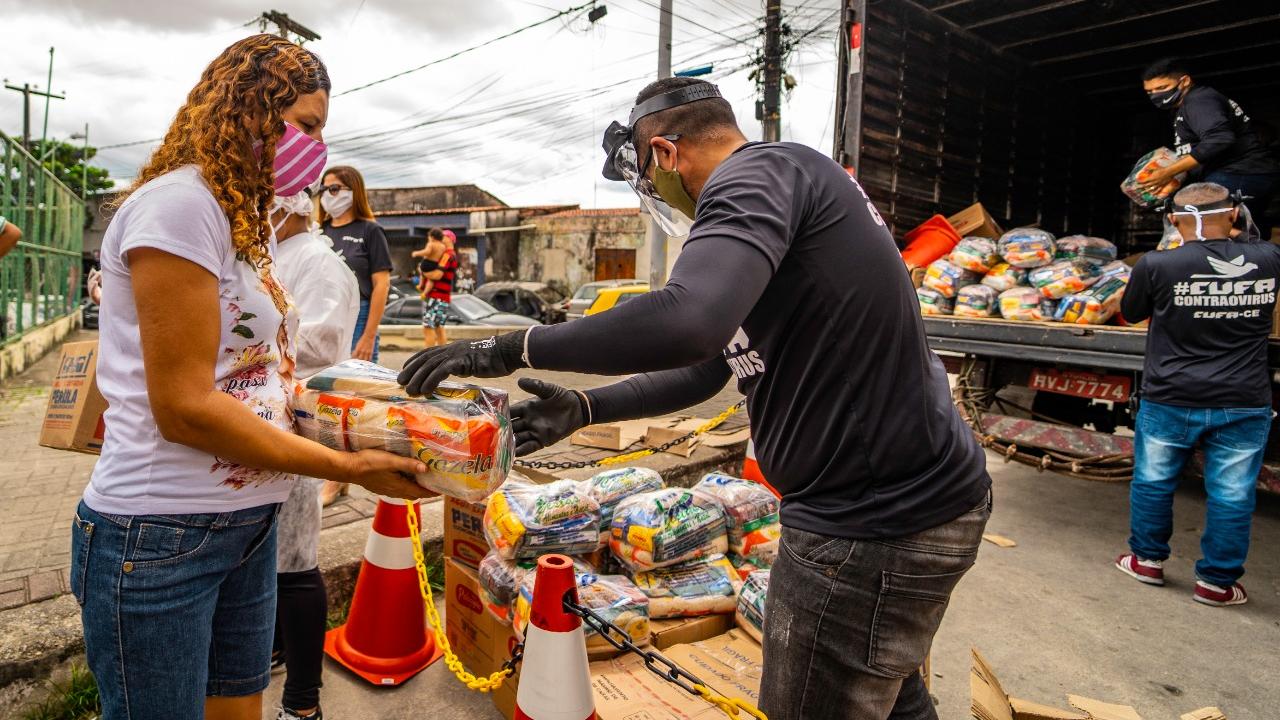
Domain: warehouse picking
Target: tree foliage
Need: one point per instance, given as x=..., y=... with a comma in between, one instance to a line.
x=63, y=159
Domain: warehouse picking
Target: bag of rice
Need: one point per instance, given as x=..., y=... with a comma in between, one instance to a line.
x=1026, y=247
x=462, y=433
x=1064, y=278
x=750, y=611
x=523, y=520
x=1021, y=303
x=1096, y=305
x=613, y=597
x=932, y=302
x=750, y=513
x=977, y=301
x=608, y=488
x=1086, y=249
x=661, y=528
x=1005, y=277
x=700, y=587
x=947, y=278
x=977, y=254
x=1156, y=159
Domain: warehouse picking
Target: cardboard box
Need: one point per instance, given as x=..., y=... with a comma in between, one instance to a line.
x=73, y=417
x=990, y=702
x=975, y=221
x=481, y=641
x=611, y=436
x=682, y=631
x=730, y=663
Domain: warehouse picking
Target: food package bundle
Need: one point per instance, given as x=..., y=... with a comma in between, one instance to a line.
x=700, y=587
x=977, y=301
x=608, y=488
x=613, y=597
x=1063, y=278
x=1027, y=247
x=1096, y=305
x=1156, y=159
x=666, y=527
x=933, y=302
x=750, y=516
x=523, y=520
x=1171, y=239
x=1086, y=249
x=1117, y=267
x=977, y=254
x=1021, y=303
x=1005, y=277
x=750, y=612
x=462, y=433
x=947, y=278
x=1049, y=308
x=500, y=580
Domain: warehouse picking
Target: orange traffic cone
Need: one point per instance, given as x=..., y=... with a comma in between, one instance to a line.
x=751, y=468
x=555, y=681
x=385, y=639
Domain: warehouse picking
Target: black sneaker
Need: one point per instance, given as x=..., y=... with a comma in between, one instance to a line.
x=277, y=662
x=287, y=714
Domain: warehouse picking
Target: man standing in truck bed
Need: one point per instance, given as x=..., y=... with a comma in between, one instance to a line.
x=1204, y=380
x=791, y=282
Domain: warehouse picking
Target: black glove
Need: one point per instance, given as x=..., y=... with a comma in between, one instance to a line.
x=492, y=357
x=552, y=416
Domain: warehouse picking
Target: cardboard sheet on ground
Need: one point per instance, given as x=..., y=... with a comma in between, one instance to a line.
x=1000, y=540
x=1205, y=713
x=655, y=432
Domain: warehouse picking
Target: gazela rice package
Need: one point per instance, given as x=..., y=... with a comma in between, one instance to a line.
x=660, y=528
x=462, y=433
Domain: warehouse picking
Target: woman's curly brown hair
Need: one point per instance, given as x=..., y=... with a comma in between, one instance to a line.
x=239, y=99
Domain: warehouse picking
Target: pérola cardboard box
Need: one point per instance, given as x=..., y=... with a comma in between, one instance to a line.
x=73, y=417
x=481, y=641
x=730, y=664
x=975, y=221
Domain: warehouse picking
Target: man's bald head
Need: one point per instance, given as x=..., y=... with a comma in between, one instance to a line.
x=1202, y=195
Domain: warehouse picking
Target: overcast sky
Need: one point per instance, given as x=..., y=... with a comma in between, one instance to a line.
x=521, y=118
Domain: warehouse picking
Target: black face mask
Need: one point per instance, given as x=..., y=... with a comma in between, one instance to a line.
x=1166, y=99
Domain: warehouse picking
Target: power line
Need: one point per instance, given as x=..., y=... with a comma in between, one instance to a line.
x=464, y=51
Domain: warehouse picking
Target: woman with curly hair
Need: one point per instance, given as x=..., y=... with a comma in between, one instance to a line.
x=173, y=546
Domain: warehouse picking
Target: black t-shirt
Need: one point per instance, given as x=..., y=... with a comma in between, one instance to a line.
x=363, y=245
x=851, y=412
x=1218, y=134
x=1210, y=305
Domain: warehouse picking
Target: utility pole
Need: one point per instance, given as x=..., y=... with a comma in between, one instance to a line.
x=771, y=115
x=27, y=91
x=84, y=163
x=848, y=130
x=658, y=248
x=285, y=25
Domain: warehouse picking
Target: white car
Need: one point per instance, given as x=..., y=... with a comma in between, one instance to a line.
x=576, y=306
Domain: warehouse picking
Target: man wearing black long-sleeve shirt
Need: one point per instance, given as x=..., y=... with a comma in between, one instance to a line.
x=790, y=282
x=1204, y=381
x=1214, y=138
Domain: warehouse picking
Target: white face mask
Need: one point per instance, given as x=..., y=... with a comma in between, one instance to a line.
x=299, y=204
x=336, y=205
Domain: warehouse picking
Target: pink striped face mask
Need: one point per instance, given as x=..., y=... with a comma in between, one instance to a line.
x=299, y=161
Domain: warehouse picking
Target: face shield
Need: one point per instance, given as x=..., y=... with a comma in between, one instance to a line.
x=623, y=161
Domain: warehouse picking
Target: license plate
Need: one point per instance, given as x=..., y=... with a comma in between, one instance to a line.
x=1078, y=383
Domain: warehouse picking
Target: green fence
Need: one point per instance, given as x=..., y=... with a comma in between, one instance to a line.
x=40, y=278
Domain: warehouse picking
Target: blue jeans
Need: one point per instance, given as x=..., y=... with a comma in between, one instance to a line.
x=1260, y=188
x=175, y=607
x=361, y=320
x=1233, y=440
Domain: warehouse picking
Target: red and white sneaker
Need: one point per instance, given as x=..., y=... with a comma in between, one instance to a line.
x=1150, y=572
x=1217, y=596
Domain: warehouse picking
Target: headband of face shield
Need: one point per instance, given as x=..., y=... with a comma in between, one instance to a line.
x=622, y=161
x=1244, y=222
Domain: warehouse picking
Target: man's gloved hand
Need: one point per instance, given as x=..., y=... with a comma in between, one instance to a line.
x=492, y=357
x=553, y=415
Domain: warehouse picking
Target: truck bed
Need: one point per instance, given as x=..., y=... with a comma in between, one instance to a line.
x=1100, y=346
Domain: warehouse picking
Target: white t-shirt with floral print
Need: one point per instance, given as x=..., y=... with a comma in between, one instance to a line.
x=140, y=472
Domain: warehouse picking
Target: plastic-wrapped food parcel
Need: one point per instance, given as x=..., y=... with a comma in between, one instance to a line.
x=933, y=302
x=750, y=612
x=977, y=301
x=610, y=487
x=661, y=528
x=947, y=278
x=523, y=520
x=462, y=433
x=1065, y=277
x=613, y=597
x=977, y=254
x=500, y=580
x=1099, y=303
x=750, y=515
x=701, y=587
x=1157, y=159
x=1027, y=247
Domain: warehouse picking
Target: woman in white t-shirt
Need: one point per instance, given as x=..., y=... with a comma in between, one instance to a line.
x=173, y=546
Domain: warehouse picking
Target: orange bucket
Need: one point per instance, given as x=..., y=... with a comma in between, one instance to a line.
x=933, y=239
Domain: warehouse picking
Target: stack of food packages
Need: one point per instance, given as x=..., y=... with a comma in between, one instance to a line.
x=642, y=551
x=1027, y=274
x=750, y=611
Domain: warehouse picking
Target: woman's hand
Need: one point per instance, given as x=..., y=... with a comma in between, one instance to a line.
x=383, y=473
x=364, y=348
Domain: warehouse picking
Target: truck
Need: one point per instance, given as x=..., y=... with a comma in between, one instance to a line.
x=1034, y=109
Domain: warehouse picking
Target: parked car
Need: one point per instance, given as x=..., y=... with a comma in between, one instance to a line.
x=89, y=314
x=401, y=288
x=576, y=306
x=612, y=297
x=463, y=310
x=532, y=299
